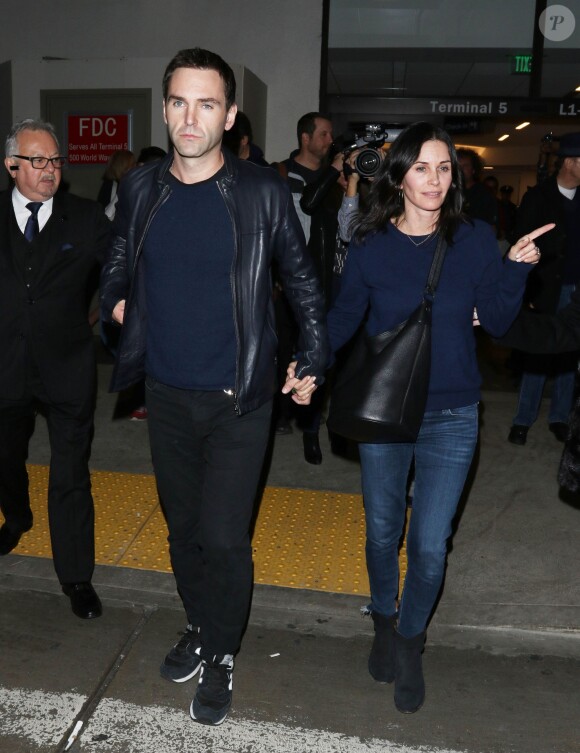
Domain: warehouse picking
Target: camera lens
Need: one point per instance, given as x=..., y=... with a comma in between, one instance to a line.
x=367, y=163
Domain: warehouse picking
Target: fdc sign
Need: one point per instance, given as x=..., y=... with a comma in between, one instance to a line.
x=93, y=138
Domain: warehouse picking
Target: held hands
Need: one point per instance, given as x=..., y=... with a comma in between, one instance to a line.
x=119, y=312
x=301, y=389
x=525, y=249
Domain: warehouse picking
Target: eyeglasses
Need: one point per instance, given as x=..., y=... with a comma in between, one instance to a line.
x=39, y=163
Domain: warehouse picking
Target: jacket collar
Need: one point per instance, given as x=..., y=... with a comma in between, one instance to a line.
x=230, y=163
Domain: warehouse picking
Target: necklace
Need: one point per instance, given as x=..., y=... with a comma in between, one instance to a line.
x=425, y=239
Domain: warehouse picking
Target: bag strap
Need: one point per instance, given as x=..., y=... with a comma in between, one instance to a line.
x=436, y=266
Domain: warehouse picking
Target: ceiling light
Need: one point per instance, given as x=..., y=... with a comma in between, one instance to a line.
x=488, y=167
x=577, y=89
x=504, y=137
x=522, y=125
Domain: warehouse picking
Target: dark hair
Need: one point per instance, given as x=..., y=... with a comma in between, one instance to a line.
x=307, y=124
x=474, y=158
x=385, y=199
x=119, y=163
x=203, y=60
x=492, y=179
x=150, y=154
x=241, y=127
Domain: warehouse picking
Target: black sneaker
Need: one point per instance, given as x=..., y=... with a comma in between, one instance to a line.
x=184, y=660
x=214, y=692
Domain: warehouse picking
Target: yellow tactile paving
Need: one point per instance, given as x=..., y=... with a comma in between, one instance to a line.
x=302, y=538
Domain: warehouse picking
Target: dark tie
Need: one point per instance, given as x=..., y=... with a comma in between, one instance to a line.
x=31, y=230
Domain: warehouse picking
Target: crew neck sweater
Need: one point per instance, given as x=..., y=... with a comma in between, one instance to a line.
x=385, y=276
x=188, y=255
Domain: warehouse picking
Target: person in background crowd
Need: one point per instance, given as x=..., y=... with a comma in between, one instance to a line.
x=554, y=333
x=150, y=154
x=492, y=184
x=304, y=167
x=239, y=140
x=415, y=198
x=321, y=201
x=547, y=157
x=478, y=202
x=550, y=287
x=51, y=244
x=120, y=162
x=189, y=279
x=506, y=215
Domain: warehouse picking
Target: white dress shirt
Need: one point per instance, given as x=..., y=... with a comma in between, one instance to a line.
x=19, y=203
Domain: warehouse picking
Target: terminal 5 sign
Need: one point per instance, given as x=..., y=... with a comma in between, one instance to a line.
x=505, y=107
x=92, y=139
x=460, y=107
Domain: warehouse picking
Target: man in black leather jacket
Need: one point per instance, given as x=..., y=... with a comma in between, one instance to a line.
x=189, y=279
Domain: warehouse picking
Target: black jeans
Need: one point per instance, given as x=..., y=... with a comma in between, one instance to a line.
x=207, y=463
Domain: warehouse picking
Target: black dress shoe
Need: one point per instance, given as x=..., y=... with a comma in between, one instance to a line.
x=312, y=451
x=84, y=600
x=518, y=434
x=559, y=430
x=8, y=539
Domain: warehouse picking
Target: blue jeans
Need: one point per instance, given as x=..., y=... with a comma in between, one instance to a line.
x=533, y=382
x=443, y=453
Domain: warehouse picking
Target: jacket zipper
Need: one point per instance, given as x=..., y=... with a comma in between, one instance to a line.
x=162, y=199
x=233, y=392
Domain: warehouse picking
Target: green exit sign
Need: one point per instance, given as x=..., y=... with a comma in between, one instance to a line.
x=521, y=64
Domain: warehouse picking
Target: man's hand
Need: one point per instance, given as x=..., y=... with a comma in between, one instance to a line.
x=119, y=312
x=301, y=389
x=338, y=161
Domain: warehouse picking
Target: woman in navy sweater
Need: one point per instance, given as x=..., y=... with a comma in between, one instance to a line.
x=415, y=197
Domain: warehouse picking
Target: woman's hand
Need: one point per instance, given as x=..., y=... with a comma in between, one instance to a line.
x=301, y=389
x=525, y=249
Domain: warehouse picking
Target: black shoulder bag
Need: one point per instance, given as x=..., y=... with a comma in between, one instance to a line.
x=380, y=393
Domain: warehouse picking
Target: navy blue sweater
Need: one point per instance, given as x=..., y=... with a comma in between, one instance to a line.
x=188, y=255
x=387, y=274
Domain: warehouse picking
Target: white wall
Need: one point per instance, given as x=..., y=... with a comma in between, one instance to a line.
x=87, y=74
x=277, y=40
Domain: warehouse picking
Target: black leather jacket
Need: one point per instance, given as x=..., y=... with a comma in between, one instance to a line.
x=321, y=200
x=266, y=228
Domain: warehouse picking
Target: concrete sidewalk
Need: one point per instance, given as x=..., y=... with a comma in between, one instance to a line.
x=502, y=661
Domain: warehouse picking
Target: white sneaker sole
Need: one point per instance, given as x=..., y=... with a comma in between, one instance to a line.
x=181, y=679
x=208, y=722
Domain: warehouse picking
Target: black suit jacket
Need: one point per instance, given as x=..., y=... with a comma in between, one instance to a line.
x=47, y=323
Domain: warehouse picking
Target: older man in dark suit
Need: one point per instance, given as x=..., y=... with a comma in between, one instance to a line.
x=50, y=244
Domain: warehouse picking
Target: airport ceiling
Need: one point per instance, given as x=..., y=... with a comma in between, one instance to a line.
x=365, y=78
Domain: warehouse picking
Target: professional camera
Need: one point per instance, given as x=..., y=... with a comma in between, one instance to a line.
x=369, y=159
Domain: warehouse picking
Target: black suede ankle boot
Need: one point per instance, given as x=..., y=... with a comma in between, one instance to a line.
x=409, y=682
x=312, y=451
x=382, y=656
